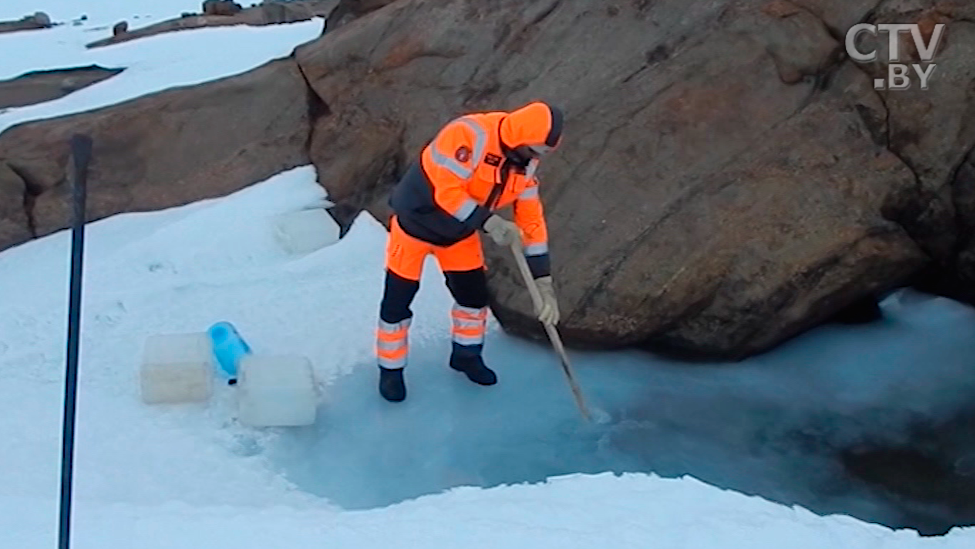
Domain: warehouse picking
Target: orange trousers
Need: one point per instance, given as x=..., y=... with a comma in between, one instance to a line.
x=464, y=270
x=405, y=255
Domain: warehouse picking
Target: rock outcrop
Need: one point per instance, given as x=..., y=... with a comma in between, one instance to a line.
x=163, y=150
x=219, y=13
x=40, y=86
x=39, y=20
x=221, y=7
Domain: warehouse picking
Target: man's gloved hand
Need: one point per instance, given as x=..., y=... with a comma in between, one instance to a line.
x=502, y=231
x=549, y=311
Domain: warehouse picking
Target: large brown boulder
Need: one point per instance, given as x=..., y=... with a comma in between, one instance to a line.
x=728, y=178
x=221, y=7
x=40, y=86
x=162, y=150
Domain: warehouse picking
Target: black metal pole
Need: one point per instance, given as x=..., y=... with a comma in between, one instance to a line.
x=78, y=174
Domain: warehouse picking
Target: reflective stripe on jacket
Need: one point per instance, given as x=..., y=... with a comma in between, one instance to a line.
x=463, y=176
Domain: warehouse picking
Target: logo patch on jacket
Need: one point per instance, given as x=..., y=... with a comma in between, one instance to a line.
x=492, y=159
x=463, y=154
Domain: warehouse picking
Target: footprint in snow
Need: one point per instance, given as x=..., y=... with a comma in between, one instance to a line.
x=113, y=316
x=161, y=266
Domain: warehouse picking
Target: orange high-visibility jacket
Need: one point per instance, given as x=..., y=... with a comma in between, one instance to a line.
x=464, y=175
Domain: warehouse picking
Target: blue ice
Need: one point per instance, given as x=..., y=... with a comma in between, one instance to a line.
x=767, y=426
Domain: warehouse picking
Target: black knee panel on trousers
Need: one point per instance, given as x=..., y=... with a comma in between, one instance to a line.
x=397, y=297
x=469, y=288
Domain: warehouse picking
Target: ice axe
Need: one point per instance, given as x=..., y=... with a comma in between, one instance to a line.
x=553, y=334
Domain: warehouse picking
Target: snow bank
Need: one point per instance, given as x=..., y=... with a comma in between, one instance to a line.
x=189, y=476
x=572, y=512
x=99, y=12
x=152, y=64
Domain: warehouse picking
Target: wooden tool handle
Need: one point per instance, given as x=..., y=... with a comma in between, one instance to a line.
x=553, y=334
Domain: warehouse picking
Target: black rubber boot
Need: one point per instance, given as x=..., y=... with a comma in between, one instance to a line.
x=468, y=359
x=391, y=384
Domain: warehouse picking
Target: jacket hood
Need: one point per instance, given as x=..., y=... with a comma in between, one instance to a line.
x=536, y=124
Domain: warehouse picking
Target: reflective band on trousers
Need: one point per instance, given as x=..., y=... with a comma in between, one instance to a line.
x=468, y=325
x=536, y=249
x=468, y=340
x=392, y=343
x=394, y=328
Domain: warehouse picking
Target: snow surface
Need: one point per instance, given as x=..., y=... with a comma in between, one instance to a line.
x=374, y=474
x=181, y=476
x=151, y=64
x=100, y=12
